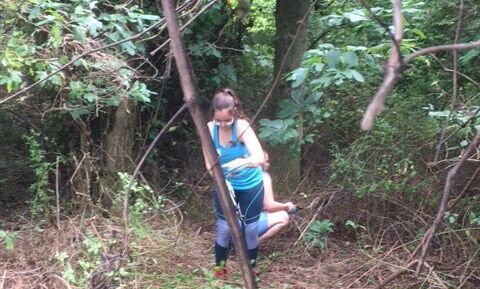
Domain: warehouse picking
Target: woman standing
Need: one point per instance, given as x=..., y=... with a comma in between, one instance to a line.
x=240, y=155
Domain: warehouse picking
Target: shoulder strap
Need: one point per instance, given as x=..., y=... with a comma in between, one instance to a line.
x=214, y=133
x=234, y=131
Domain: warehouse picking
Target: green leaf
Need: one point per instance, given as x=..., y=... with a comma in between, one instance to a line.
x=298, y=76
x=149, y=17
x=69, y=274
x=93, y=25
x=34, y=13
x=332, y=58
x=78, y=112
x=335, y=20
x=357, y=76
x=79, y=32
x=90, y=97
x=350, y=59
x=129, y=47
x=288, y=109
x=419, y=33
x=465, y=59
x=355, y=16
x=318, y=67
x=9, y=244
x=56, y=79
x=16, y=76
x=313, y=98
x=324, y=81
x=444, y=113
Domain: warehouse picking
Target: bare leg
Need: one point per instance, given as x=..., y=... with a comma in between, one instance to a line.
x=276, y=222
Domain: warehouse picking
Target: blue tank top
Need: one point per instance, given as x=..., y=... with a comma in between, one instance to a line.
x=242, y=178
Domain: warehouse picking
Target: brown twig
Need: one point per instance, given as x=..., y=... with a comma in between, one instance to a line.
x=394, y=66
x=393, y=70
x=324, y=204
x=396, y=274
x=3, y=279
x=57, y=190
x=205, y=8
x=439, y=48
x=137, y=170
x=467, y=186
x=453, y=103
x=443, y=204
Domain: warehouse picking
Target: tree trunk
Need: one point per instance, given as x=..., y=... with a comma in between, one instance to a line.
x=291, y=43
x=120, y=139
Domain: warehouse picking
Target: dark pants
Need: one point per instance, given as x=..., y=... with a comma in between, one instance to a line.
x=251, y=204
x=250, y=201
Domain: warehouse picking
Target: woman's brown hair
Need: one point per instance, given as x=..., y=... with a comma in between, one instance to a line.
x=226, y=98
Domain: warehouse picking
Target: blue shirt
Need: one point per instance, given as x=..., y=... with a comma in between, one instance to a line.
x=242, y=178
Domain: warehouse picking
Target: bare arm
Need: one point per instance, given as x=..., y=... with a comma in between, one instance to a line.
x=269, y=203
x=249, y=138
x=208, y=165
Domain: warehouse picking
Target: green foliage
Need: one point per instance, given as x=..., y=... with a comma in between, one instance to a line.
x=41, y=188
x=317, y=232
x=310, y=105
x=8, y=238
x=100, y=79
x=474, y=218
x=354, y=226
x=463, y=125
x=384, y=160
x=89, y=258
x=144, y=201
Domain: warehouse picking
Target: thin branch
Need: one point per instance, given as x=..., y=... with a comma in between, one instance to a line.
x=393, y=70
x=131, y=38
x=137, y=170
x=467, y=186
x=205, y=8
x=57, y=190
x=395, y=38
x=455, y=57
x=394, y=67
x=443, y=204
x=453, y=103
x=396, y=274
x=187, y=83
x=439, y=48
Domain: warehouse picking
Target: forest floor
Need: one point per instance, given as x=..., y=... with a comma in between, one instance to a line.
x=174, y=249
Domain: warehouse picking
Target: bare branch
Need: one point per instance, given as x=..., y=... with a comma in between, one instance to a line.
x=137, y=170
x=396, y=274
x=393, y=70
x=444, y=202
x=455, y=82
x=205, y=8
x=133, y=37
x=394, y=67
x=439, y=48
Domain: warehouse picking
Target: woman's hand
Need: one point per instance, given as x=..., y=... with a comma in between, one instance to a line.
x=290, y=207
